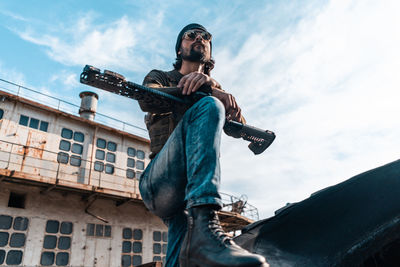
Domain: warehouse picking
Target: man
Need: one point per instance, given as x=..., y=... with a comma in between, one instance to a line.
x=184, y=173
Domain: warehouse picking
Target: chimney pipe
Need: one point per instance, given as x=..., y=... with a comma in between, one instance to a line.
x=88, y=105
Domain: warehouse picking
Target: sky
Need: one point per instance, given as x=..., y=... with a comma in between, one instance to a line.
x=323, y=75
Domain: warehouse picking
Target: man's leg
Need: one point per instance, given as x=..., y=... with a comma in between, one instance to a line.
x=177, y=226
x=205, y=243
x=185, y=170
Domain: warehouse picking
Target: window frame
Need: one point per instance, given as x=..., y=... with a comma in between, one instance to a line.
x=62, y=245
x=68, y=131
x=133, y=236
x=15, y=228
x=22, y=122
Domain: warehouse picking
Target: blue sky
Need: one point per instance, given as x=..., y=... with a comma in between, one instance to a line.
x=324, y=75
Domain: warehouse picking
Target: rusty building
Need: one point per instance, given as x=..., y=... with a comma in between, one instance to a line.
x=69, y=187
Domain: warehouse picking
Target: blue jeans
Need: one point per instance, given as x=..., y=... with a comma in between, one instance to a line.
x=186, y=172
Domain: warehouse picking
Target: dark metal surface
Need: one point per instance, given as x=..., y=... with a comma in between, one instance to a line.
x=354, y=223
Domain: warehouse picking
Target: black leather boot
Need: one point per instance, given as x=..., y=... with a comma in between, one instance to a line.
x=206, y=244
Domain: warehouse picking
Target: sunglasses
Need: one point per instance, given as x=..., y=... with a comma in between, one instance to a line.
x=192, y=34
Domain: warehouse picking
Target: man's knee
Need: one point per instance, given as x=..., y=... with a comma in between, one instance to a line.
x=213, y=105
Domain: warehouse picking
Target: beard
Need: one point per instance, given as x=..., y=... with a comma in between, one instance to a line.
x=194, y=55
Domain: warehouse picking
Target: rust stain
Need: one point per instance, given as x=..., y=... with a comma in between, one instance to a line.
x=24, y=148
x=21, y=150
x=34, y=147
x=11, y=129
x=35, y=143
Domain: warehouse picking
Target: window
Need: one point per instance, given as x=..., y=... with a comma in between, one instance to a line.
x=75, y=161
x=12, y=239
x=100, y=154
x=140, y=165
x=103, y=152
x=56, y=243
x=44, y=126
x=23, y=120
x=131, y=152
x=65, y=145
x=133, y=163
x=160, y=240
x=62, y=157
x=33, y=123
x=140, y=154
x=130, y=174
x=101, y=143
x=66, y=133
x=112, y=146
x=98, y=230
x=132, y=248
x=71, y=142
x=1, y=113
x=99, y=166
x=79, y=137
x=109, y=169
x=110, y=157
x=77, y=149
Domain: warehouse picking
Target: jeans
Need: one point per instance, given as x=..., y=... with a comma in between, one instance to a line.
x=186, y=172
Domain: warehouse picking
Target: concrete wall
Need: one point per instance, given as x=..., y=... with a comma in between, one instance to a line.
x=69, y=207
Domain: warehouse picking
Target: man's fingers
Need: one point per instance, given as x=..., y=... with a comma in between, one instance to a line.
x=181, y=84
x=232, y=102
x=194, y=84
x=238, y=114
x=186, y=85
x=199, y=83
x=182, y=81
x=233, y=111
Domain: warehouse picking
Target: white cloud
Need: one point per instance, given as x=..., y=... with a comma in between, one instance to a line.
x=67, y=78
x=13, y=15
x=328, y=86
x=119, y=44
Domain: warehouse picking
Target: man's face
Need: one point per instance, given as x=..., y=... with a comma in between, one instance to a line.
x=195, y=47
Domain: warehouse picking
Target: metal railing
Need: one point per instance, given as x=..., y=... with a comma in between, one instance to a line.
x=37, y=162
x=68, y=107
x=239, y=205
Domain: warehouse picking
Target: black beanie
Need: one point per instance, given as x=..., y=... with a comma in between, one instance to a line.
x=185, y=29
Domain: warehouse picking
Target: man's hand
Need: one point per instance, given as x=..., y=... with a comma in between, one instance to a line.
x=232, y=110
x=191, y=82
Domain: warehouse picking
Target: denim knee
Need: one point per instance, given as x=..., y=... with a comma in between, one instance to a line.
x=214, y=107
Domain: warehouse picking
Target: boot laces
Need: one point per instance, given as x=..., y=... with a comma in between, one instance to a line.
x=215, y=227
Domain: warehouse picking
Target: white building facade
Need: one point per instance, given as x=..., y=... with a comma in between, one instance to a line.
x=69, y=191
